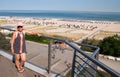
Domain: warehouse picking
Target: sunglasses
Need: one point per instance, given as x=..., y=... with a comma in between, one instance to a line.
x=19, y=26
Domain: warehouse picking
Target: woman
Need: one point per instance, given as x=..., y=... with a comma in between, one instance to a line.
x=18, y=46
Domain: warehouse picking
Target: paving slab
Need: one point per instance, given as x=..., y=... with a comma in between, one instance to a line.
x=8, y=69
x=38, y=55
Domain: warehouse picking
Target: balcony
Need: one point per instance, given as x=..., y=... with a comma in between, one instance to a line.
x=53, y=60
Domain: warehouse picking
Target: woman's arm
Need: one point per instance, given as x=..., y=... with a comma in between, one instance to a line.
x=31, y=32
x=21, y=45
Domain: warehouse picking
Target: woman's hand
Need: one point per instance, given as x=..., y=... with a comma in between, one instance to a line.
x=12, y=50
x=32, y=33
x=20, y=51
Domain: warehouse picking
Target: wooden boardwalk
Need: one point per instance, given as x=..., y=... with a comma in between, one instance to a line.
x=7, y=69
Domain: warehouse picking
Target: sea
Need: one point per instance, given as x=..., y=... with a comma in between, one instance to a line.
x=73, y=15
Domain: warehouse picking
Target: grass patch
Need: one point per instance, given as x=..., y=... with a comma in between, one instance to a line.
x=37, y=39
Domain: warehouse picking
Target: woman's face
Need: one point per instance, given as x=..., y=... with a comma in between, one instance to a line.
x=20, y=28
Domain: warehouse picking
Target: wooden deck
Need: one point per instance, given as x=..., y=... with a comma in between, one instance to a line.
x=7, y=69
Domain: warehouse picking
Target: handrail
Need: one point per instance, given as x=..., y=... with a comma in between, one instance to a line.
x=95, y=52
x=93, y=55
x=97, y=62
x=7, y=28
x=71, y=44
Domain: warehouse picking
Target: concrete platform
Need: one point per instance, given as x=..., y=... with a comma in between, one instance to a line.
x=7, y=69
x=38, y=55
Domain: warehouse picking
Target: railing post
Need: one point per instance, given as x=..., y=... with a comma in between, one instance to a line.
x=96, y=57
x=49, y=56
x=73, y=64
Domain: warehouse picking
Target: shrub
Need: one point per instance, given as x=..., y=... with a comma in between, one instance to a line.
x=36, y=39
x=90, y=42
x=4, y=43
x=108, y=46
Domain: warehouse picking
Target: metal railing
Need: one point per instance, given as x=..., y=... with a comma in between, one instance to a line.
x=86, y=66
x=85, y=62
x=93, y=58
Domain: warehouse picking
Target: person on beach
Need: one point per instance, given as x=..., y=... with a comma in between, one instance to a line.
x=18, y=46
x=62, y=46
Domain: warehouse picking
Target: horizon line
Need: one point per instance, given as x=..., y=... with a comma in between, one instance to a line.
x=56, y=10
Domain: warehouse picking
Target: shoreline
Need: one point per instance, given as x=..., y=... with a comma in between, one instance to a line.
x=61, y=18
x=74, y=29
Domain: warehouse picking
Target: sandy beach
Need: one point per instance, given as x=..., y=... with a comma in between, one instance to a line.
x=75, y=30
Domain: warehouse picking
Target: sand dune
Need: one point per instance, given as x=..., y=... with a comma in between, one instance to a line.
x=66, y=28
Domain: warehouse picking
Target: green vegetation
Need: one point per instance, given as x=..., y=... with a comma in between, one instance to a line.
x=111, y=46
x=4, y=43
x=36, y=39
x=108, y=46
x=90, y=42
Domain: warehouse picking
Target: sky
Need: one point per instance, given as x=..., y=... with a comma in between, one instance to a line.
x=65, y=5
